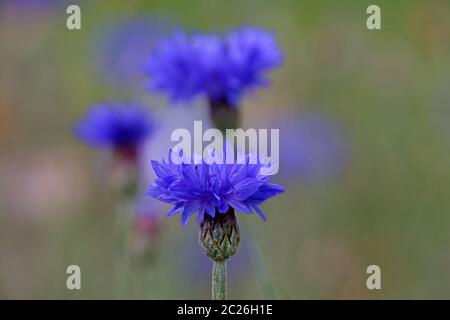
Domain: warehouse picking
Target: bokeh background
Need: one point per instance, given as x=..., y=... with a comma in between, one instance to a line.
x=365, y=152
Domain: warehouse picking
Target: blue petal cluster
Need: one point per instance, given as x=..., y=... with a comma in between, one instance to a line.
x=121, y=48
x=115, y=126
x=220, y=68
x=212, y=188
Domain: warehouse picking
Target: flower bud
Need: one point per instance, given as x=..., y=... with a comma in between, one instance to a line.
x=219, y=236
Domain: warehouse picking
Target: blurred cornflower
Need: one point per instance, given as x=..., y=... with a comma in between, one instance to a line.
x=120, y=127
x=321, y=149
x=220, y=68
x=173, y=68
x=213, y=189
x=122, y=47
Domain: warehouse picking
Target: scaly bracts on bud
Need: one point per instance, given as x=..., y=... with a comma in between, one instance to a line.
x=219, y=236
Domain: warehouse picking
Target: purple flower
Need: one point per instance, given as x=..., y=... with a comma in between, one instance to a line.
x=216, y=79
x=174, y=68
x=115, y=126
x=252, y=52
x=121, y=48
x=221, y=69
x=212, y=188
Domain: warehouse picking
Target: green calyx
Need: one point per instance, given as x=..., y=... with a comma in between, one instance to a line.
x=219, y=236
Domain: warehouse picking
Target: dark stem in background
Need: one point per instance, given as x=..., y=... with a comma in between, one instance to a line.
x=223, y=115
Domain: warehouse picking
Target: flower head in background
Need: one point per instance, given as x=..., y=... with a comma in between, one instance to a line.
x=174, y=68
x=214, y=188
x=252, y=52
x=219, y=68
x=216, y=77
x=121, y=128
x=322, y=149
x=121, y=48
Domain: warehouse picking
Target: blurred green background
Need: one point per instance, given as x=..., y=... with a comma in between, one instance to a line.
x=387, y=203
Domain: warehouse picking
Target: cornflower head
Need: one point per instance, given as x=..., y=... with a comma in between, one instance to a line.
x=173, y=67
x=119, y=127
x=214, y=190
x=220, y=68
x=211, y=188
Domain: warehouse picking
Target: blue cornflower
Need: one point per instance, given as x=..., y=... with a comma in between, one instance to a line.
x=115, y=126
x=174, y=68
x=122, y=47
x=213, y=188
x=219, y=68
x=216, y=80
x=251, y=53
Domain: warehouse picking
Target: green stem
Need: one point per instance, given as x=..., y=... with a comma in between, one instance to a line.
x=219, y=280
